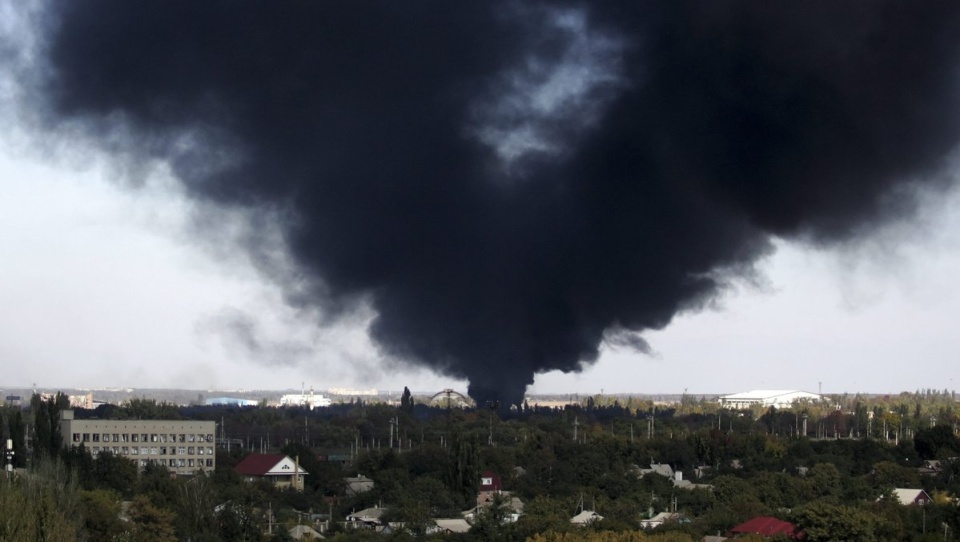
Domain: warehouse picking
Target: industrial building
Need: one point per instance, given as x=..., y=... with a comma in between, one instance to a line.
x=767, y=398
x=184, y=447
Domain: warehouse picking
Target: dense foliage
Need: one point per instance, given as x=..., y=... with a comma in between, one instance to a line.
x=427, y=463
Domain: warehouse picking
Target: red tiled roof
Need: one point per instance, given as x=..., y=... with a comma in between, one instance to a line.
x=767, y=526
x=258, y=464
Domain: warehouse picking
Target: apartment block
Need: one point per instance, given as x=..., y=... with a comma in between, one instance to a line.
x=184, y=447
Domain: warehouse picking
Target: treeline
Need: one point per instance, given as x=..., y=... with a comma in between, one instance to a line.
x=426, y=463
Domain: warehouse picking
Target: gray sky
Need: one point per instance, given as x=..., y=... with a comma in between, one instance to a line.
x=112, y=274
x=102, y=286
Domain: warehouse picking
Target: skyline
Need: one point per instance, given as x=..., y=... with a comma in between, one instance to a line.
x=648, y=196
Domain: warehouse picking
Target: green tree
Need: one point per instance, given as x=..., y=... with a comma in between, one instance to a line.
x=151, y=523
x=406, y=400
x=101, y=514
x=826, y=522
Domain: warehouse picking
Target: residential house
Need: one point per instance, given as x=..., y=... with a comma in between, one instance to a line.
x=585, y=518
x=277, y=469
x=357, y=485
x=659, y=519
x=909, y=497
x=767, y=526
x=304, y=532
x=490, y=489
x=449, y=526
x=367, y=518
x=662, y=469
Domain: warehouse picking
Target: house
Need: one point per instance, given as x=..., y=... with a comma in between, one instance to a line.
x=490, y=488
x=357, y=485
x=304, y=532
x=767, y=526
x=767, y=398
x=659, y=519
x=586, y=518
x=662, y=469
x=368, y=517
x=278, y=469
x=909, y=497
x=490, y=482
x=449, y=526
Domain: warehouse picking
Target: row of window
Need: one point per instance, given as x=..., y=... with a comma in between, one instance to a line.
x=154, y=450
x=141, y=437
x=174, y=463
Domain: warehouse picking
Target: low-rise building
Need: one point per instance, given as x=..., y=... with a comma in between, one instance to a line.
x=767, y=398
x=277, y=469
x=184, y=447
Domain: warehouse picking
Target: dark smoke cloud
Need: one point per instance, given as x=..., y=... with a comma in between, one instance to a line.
x=509, y=184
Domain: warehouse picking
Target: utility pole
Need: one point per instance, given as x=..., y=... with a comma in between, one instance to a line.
x=575, y=425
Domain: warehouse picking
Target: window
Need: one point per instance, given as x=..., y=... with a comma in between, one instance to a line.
x=181, y=463
x=143, y=463
x=163, y=437
x=153, y=437
x=199, y=450
x=86, y=437
x=210, y=463
x=125, y=450
x=209, y=450
x=182, y=450
x=173, y=463
x=116, y=450
x=134, y=451
x=190, y=437
x=144, y=438
x=183, y=438
x=116, y=437
x=134, y=438
x=124, y=438
x=190, y=450
x=76, y=437
x=106, y=437
x=163, y=450
x=96, y=437
x=190, y=462
x=153, y=450
x=209, y=438
x=144, y=451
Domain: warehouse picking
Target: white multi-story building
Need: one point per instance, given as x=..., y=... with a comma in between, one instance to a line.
x=184, y=447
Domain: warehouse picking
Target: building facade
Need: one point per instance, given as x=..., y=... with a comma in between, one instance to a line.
x=767, y=398
x=184, y=447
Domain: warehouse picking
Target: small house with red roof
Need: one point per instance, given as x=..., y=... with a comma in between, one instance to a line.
x=277, y=469
x=490, y=482
x=767, y=526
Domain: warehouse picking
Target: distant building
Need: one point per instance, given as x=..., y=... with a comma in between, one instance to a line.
x=230, y=401
x=82, y=401
x=310, y=400
x=372, y=392
x=767, y=398
x=184, y=447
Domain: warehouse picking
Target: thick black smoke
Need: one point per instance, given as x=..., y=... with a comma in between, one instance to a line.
x=509, y=183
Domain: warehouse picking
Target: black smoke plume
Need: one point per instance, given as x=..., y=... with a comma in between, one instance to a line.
x=509, y=184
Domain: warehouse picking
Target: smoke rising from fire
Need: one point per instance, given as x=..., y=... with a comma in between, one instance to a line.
x=510, y=184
